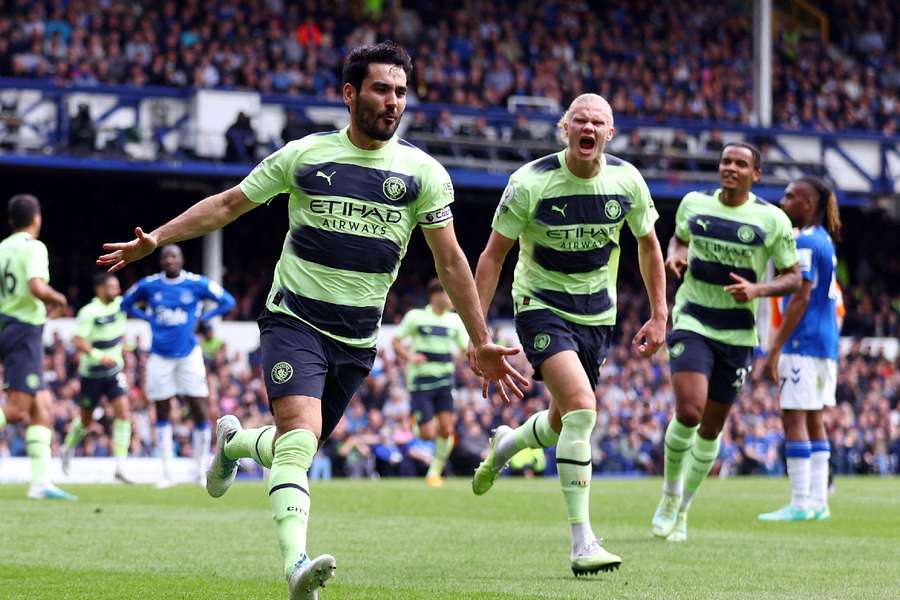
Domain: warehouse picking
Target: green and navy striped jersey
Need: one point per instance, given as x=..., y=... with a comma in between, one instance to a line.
x=436, y=337
x=721, y=240
x=568, y=229
x=101, y=325
x=22, y=258
x=351, y=213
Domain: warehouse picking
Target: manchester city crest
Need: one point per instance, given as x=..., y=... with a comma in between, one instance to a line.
x=394, y=188
x=613, y=209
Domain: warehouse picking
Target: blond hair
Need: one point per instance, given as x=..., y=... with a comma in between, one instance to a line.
x=562, y=124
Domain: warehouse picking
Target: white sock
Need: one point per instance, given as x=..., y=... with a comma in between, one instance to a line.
x=166, y=447
x=505, y=449
x=120, y=463
x=582, y=535
x=818, y=474
x=799, y=473
x=201, y=438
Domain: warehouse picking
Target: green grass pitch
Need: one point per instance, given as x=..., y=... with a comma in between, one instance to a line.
x=398, y=539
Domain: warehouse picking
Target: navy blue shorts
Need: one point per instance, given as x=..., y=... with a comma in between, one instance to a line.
x=427, y=403
x=22, y=352
x=94, y=388
x=725, y=366
x=544, y=334
x=299, y=361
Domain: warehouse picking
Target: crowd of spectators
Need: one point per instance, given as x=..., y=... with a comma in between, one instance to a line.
x=655, y=60
x=377, y=438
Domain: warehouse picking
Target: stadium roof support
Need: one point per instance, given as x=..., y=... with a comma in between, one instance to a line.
x=762, y=61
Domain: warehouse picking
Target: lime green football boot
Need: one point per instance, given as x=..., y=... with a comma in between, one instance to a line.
x=787, y=513
x=666, y=515
x=487, y=471
x=593, y=558
x=679, y=533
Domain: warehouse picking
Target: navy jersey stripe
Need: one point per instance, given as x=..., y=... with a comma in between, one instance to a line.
x=718, y=274
x=433, y=330
x=353, y=181
x=721, y=318
x=345, y=250
x=548, y=163
x=346, y=321
x=104, y=344
x=437, y=356
x=582, y=209
x=576, y=304
x=427, y=379
x=105, y=320
x=583, y=261
x=727, y=230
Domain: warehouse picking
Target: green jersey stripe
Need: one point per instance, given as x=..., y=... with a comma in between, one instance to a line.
x=721, y=318
x=718, y=274
x=358, y=182
x=358, y=322
x=345, y=251
x=582, y=208
x=576, y=304
x=724, y=239
x=350, y=216
x=573, y=261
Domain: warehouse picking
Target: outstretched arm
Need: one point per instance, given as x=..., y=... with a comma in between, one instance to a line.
x=211, y=213
x=454, y=273
x=653, y=334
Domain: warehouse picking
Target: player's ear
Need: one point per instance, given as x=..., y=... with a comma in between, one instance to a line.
x=349, y=92
x=611, y=134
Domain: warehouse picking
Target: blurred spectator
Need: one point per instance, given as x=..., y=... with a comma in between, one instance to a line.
x=82, y=132
x=240, y=141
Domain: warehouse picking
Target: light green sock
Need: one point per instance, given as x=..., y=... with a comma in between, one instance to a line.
x=289, y=493
x=678, y=442
x=573, y=461
x=2, y=418
x=535, y=432
x=699, y=463
x=76, y=433
x=37, y=440
x=252, y=443
x=121, y=437
x=442, y=449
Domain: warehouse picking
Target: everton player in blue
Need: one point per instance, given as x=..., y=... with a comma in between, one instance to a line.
x=803, y=356
x=172, y=302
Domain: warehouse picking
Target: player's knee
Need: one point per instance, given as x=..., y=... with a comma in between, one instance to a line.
x=14, y=413
x=709, y=431
x=581, y=400
x=688, y=415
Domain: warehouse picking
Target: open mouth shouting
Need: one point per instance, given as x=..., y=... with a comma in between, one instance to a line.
x=586, y=145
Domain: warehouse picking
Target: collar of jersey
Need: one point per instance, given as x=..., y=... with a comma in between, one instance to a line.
x=345, y=140
x=561, y=156
x=176, y=280
x=751, y=198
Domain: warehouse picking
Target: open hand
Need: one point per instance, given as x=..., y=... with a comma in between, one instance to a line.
x=490, y=364
x=122, y=253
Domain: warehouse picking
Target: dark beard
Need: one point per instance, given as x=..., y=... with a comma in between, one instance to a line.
x=368, y=122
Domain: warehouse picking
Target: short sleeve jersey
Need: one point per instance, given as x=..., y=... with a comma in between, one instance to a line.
x=351, y=213
x=436, y=337
x=568, y=230
x=22, y=258
x=722, y=240
x=102, y=326
x=818, y=333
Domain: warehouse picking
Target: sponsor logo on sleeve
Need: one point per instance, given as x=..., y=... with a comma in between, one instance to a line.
x=437, y=216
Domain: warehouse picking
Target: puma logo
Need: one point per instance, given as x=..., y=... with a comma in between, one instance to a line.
x=561, y=211
x=703, y=224
x=326, y=177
